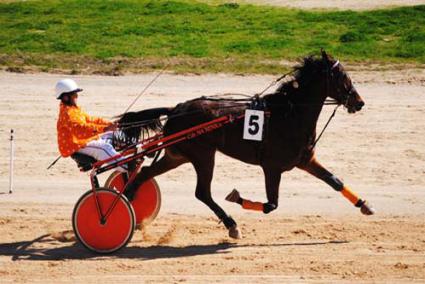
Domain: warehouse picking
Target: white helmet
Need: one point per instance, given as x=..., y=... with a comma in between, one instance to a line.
x=65, y=86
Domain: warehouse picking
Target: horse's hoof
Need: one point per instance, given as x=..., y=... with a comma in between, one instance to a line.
x=234, y=232
x=367, y=209
x=233, y=196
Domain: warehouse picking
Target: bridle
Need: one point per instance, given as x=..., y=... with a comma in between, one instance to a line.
x=346, y=93
x=344, y=101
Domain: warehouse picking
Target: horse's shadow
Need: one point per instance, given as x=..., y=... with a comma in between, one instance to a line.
x=25, y=251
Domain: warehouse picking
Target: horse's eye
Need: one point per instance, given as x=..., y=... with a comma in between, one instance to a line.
x=345, y=78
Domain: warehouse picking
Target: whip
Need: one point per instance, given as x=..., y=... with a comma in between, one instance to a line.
x=147, y=87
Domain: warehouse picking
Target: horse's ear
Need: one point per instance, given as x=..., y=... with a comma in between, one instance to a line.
x=324, y=54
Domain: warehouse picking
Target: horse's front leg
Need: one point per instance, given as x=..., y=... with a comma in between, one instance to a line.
x=272, y=177
x=316, y=169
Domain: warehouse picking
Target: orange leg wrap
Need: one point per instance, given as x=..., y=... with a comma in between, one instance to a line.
x=250, y=205
x=350, y=195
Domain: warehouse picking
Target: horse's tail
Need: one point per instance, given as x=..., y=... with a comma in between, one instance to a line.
x=133, y=124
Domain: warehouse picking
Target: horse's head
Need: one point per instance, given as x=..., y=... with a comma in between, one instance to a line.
x=340, y=85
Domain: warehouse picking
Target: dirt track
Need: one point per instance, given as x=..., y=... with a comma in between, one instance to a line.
x=337, y=4
x=314, y=236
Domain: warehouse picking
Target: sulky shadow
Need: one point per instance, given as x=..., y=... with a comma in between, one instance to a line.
x=27, y=251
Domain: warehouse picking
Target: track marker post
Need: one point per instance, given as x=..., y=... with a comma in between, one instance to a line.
x=11, y=162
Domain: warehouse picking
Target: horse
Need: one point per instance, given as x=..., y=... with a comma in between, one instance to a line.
x=288, y=140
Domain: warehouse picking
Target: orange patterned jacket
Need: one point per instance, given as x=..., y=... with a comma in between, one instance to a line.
x=76, y=128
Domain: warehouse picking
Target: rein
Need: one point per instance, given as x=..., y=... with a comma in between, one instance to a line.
x=275, y=82
x=313, y=145
x=138, y=123
x=328, y=78
x=252, y=100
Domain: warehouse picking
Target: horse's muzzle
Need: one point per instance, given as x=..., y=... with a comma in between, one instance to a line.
x=354, y=104
x=355, y=108
x=359, y=105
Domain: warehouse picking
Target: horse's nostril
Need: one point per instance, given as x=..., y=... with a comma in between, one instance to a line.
x=359, y=105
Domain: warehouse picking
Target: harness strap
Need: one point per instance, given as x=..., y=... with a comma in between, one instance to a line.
x=324, y=128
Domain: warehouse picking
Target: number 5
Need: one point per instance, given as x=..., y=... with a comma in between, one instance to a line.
x=253, y=124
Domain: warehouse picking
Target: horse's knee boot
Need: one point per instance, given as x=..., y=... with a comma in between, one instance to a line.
x=334, y=182
x=268, y=207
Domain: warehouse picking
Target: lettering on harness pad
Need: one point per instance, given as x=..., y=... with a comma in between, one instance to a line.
x=204, y=130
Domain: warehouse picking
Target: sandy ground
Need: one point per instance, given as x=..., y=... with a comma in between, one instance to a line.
x=337, y=4
x=314, y=236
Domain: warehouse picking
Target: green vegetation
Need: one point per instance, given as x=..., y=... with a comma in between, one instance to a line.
x=131, y=35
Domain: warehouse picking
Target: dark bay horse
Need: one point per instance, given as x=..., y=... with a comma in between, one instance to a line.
x=289, y=134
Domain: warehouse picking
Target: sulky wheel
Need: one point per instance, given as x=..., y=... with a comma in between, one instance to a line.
x=147, y=201
x=112, y=234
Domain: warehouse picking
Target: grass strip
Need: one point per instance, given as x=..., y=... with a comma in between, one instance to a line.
x=113, y=37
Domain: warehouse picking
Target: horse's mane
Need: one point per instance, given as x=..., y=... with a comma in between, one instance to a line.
x=302, y=73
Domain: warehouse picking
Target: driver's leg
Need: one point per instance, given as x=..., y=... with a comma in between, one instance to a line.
x=100, y=149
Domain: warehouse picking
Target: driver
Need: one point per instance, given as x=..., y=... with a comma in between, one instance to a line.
x=78, y=132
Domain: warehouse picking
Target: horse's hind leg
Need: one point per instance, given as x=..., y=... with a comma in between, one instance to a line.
x=316, y=169
x=272, y=177
x=204, y=167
